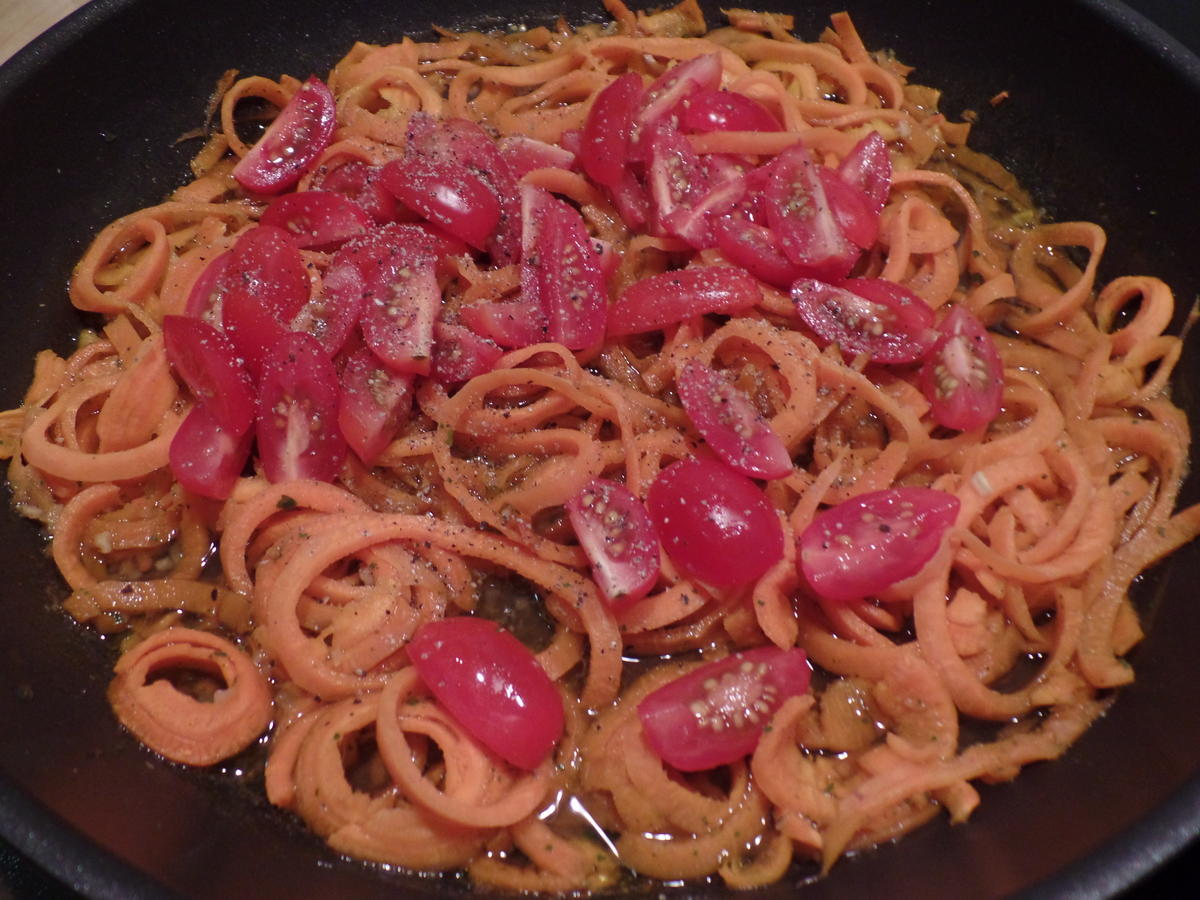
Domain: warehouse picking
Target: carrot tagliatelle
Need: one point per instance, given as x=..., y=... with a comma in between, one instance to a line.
x=282, y=608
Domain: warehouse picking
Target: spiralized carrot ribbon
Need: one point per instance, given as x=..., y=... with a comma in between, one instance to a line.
x=177, y=725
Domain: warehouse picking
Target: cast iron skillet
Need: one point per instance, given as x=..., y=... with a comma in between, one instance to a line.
x=1098, y=124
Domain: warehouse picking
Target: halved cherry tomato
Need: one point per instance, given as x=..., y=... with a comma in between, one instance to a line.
x=447, y=194
x=209, y=366
x=670, y=297
x=604, y=144
x=730, y=423
x=492, y=685
x=266, y=284
x=373, y=404
x=863, y=546
x=726, y=111
x=510, y=323
x=525, y=154
x=459, y=354
x=867, y=315
x=756, y=249
x=869, y=168
x=799, y=213
x=401, y=306
x=207, y=295
x=667, y=93
x=320, y=220
x=359, y=182
x=715, y=714
x=963, y=375
x=291, y=143
x=715, y=524
x=207, y=458
x=561, y=268
x=619, y=539
x=297, y=425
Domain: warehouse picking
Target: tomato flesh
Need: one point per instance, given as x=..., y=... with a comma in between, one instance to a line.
x=619, y=539
x=667, y=94
x=492, y=685
x=297, y=425
x=963, y=375
x=709, y=111
x=207, y=296
x=208, y=364
x=869, y=168
x=866, y=544
x=373, y=404
x=359, y=182
x=205, y=457
x=715, y=714
x=291, y=143
x=459, y=354
x=399, y=312
x=317, y=220
x=604, y=144
x=731, y=424
x=867, y=315
x=851, y=209
x=331, y=315
x=799, y=213
x=525, y=154
x=756, y=249
x=447, y=194
x=670, y=297
x=716, y=524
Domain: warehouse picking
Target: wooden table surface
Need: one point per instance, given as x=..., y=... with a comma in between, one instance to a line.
x=23, y=20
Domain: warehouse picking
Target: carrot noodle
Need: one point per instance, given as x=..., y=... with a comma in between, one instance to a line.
x=287, y=610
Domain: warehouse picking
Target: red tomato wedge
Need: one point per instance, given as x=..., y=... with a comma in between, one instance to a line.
x=317, y=220
x=715, y=714
x=402, y=304
x=867, y=315
x=675, y=176
x=731, y=424
x=266, y=286
x=851, y=208
x=708, y=111
x=799, y=213
x=863, y=546
x=373, y=404
x=492, y=685
x=671, y=297
x=207, y=458
x=459, y=354
x=619, y=539
x=714, y=523
x=446, y=194
x=291, y=143
x=604, y=145
x=207, y=296
x=756, y=249
x=206, y=361
x=666, y=95
x=963, y=375
x=525, y=154
x=561, y=268
x=868, y=167
x=297, y=425
x=510, y=323
x=359, y=182
x=331, y=314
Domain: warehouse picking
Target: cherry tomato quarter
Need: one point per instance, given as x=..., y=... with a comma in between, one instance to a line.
x=864, y=545
x=963, y=375
x=670, y=297
x=715, y=714
x=317, y=220
x=799, y=213
x=708, y=111
x=373, y=404
x=291, y=143
x=619, y=539
x=492, y=685
x=604, y=145
x=207, y=458
x=883, y=319
x=208, y=364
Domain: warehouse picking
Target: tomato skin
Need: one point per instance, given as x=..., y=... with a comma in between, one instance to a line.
x=510, y=323
x=561, y=269
x=317, y=220
x=373, y=404
x=331, y=315
x=667, y=93
x=714, y=523
x=799, y=213
x=671, y=297
x=447, y=194
x=492, y=685
x=851, y=209
x=867, y=315
x=619, y=539
x=205, y=457
x=604, y=144
x=297, y=425
x=868, y=167
x=963, y=375
x=267, y=285
x=731, y=424
x=207, y=296
x=459, y=354
x=291, y=143
x=359, y=182
x=207, y=362
x=864, y=545
x=715, y=714
x=708, y=111
x=525, y=154
x=756, y=249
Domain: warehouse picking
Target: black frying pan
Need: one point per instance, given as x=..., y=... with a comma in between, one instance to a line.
x=1100, y=123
